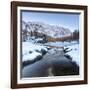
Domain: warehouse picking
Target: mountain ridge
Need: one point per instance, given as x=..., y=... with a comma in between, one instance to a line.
x=49, y=30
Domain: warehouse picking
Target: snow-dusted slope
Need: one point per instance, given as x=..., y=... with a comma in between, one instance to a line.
x=49, y=30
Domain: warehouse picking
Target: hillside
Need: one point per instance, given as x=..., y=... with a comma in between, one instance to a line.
x=39, y=29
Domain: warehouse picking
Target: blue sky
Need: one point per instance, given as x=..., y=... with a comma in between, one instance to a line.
x=66, y=20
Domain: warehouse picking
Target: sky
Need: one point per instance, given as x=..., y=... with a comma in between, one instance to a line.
x=66, y=20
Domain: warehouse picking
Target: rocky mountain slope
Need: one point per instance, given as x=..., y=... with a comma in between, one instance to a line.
x=46, y=29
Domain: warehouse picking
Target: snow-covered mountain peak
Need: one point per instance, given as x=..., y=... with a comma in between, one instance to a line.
x=49, y=30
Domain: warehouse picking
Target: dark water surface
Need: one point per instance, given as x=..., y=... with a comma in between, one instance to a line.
x=41, y=68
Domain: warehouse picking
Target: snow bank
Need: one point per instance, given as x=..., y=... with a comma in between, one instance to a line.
x=31, y=56
x=29, y=50
x=75, y=53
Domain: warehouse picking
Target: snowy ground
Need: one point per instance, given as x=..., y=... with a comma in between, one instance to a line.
x=30, y=48
x=75, y=53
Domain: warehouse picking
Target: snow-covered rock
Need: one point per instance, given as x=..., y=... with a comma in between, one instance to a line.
x=31, y=56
